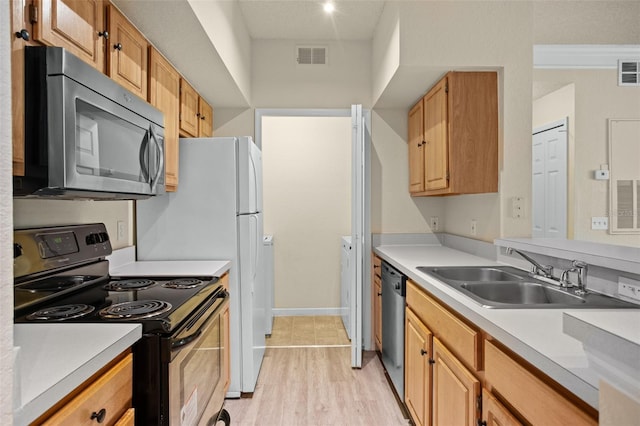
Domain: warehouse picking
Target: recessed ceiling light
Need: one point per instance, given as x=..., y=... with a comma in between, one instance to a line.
x=329, y=7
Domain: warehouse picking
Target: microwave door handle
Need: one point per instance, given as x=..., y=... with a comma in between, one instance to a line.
x=156, y=140
x=144, y=155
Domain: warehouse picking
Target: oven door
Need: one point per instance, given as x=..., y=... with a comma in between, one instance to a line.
x=196, y=367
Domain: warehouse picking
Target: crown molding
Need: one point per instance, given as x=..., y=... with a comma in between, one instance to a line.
x=583, y=56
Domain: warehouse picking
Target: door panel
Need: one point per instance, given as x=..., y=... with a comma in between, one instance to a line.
x=436, y=129
x=416, y=148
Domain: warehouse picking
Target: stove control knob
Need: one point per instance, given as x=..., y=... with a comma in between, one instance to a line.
x=104, y=237
x=91, y=239
x=99, y=416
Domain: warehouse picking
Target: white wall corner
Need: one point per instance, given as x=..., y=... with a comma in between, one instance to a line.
x=386, y=50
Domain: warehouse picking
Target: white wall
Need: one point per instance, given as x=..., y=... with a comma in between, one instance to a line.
x=6, y=229
x=597, y=98
x=279, y=82
x=386, y=49
x=307, y=204
x=223, y=23
x=30, y=212
x=393, y=210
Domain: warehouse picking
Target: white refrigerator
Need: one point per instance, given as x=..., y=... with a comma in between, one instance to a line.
x=216, y=214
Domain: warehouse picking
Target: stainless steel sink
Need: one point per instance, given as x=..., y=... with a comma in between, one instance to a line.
x=511, y=288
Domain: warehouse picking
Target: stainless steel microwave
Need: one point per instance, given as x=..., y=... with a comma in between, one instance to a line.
x=85, y=135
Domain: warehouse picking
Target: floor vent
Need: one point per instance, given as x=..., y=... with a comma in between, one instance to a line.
x=311, y=55
x=628, y=73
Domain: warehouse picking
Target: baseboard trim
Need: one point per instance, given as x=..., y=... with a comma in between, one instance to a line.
x=294, y=312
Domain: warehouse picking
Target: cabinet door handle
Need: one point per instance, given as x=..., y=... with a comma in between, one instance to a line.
x=423, y=352
x=379, y=294
x=104, y=34
x=202, y=118
x=117, y=46
x=99, y=416
x=23, y=34
x=432, y=361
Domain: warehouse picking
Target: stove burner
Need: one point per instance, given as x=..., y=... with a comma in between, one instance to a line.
x=135, y=310
x=183, y=283
x=63, y=312
x=133, y=284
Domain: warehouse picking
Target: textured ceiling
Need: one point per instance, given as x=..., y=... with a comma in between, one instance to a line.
x=306, y=20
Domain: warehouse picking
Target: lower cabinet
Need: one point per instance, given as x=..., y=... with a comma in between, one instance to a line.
x=376, y=300
x=226, y=351
x=458, y=375
x=455, y=390
x=105, y=399
x=494, y=413
x=417, y=365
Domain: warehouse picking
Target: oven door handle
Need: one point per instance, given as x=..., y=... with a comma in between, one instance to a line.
x=177, y=344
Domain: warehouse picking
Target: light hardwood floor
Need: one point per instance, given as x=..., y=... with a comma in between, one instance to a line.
x=316, y=386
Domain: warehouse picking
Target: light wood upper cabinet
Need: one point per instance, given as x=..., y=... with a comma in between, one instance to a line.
x=21, y=26
x=189, y=120
x=455, y=390
x=416, y=147
x=76, y=25
x=164, y=94
x=436, y=155
x=205, y=114
x=459, y=127
x=494, y=413
x=127, y=52
x=417, y=384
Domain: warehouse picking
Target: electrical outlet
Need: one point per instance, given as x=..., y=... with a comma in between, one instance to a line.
x=474, y=227
x=122, y=230
x=629, y=289
x=433, y=222
x=517, y=206
x=600, y=222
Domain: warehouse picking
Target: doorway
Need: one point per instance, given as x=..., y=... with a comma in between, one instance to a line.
x=309, y=180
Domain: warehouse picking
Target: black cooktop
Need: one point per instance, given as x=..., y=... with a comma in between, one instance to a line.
x=159, y=304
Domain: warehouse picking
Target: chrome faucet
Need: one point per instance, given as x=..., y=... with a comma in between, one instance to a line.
x=536, y=268
x=579, y=268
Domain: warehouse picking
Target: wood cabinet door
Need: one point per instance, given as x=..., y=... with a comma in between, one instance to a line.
x=74, y=25
x=205, y=111
x=436, y=159
x=19, y=22
x=164, y=94
x=127, y=419
x=494, y=413
x=416, y=148
x=417, y=381
x=377, y=312
x=455, y=390
x=127, y=52
x=188, y=110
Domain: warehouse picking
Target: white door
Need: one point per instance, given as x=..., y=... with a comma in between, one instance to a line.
x=360, y=229
x=549, y=181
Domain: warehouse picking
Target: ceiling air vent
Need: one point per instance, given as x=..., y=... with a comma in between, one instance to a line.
x=629, y=73
x=311, y=55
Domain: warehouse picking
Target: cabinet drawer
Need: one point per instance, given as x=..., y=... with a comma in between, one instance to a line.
x=536, y=401
x=111, y=392
x=459, y=338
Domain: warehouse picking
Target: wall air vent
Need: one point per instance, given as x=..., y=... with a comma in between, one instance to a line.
x=629, y=72
x=311, y=55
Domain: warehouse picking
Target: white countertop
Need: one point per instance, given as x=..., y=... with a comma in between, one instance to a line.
x=54, y=359
x=611, y=340
x=172, y=268
x=534, y=334
x=122, y=263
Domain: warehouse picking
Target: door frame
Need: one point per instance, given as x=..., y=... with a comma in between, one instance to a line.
x=365, y=284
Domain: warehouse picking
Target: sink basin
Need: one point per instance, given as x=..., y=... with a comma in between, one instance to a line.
x=521, y=293
x=512, y=288
x=476, y=273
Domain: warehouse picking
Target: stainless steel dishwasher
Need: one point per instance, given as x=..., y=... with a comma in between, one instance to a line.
x=394, y=286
